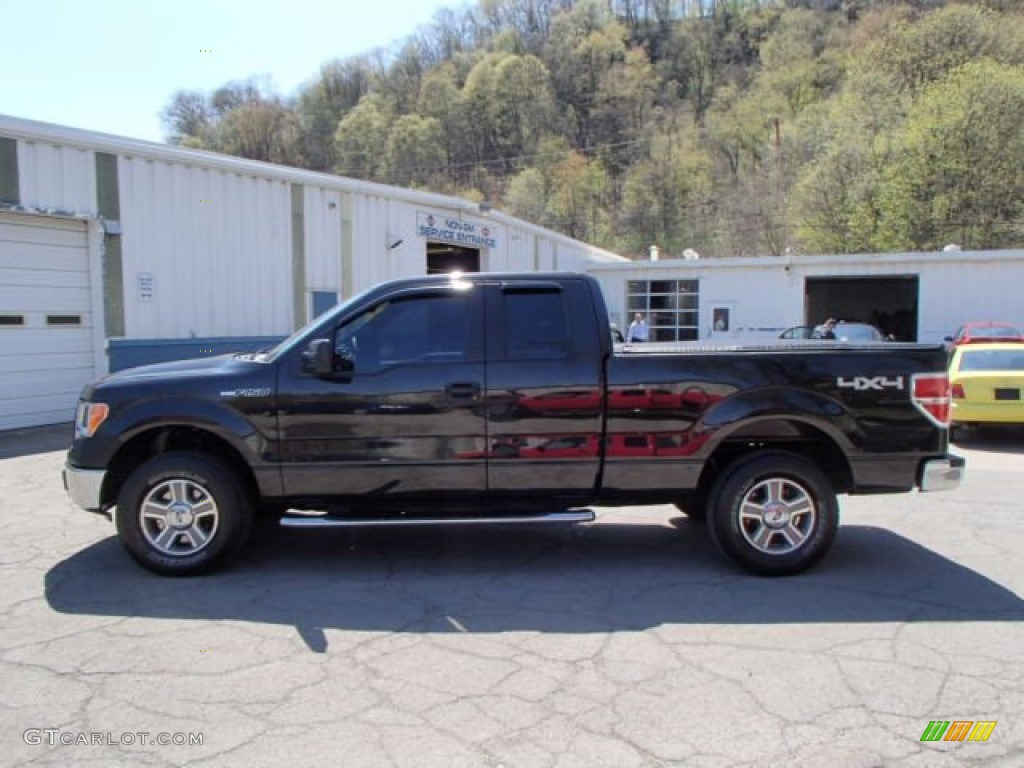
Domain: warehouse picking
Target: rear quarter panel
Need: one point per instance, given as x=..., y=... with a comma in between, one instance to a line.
x=698, y=397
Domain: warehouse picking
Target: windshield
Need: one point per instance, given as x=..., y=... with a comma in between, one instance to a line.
x=852, y=332
x=276, y=351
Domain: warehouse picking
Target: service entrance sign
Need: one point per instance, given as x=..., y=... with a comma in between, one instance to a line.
x=448, y=229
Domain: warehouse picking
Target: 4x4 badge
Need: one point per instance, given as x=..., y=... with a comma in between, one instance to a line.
x=864, y=383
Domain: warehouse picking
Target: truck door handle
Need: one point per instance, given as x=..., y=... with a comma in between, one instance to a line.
x=462, y=391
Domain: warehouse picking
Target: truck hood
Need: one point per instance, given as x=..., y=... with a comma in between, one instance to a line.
x=204, y=368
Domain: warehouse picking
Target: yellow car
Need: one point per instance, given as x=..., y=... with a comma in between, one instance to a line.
x=987, y=382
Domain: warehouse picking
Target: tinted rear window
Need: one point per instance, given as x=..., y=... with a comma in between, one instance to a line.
x=993, y=332
x=992, y=360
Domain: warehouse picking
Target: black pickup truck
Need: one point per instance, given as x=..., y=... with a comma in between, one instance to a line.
x=502, y=399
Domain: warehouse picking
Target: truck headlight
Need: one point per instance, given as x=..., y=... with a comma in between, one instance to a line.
x=88, y=418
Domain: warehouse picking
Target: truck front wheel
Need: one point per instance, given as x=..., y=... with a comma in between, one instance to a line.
x=774, y=514
x=182, y=514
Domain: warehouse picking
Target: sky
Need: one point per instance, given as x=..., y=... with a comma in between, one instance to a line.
x=113, y=65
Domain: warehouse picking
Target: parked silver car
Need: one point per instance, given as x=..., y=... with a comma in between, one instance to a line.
x=843, y=331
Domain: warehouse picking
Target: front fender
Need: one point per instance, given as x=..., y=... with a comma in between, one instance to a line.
x=133, y=419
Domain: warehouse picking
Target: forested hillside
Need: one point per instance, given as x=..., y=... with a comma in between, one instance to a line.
x=732, y=127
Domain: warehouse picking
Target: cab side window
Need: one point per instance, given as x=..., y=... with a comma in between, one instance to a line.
x=536, y=326
x=409, y=330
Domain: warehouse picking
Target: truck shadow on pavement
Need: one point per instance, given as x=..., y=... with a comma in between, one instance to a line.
x=602, y=578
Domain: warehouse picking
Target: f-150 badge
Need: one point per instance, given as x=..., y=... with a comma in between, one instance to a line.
x=252, y=392
x=865, y=383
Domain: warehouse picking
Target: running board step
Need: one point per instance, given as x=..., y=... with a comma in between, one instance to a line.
x=572, y=516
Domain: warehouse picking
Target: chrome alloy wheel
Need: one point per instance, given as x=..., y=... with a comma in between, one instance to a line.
x=179, y=517
x=777, y=516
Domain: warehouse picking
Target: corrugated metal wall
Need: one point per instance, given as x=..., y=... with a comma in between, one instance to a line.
x=324, y=224
x=215, y=246
x=377, y=222
x=56, y=177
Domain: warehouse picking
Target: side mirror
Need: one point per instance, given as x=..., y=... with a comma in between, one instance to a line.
x=318, y=358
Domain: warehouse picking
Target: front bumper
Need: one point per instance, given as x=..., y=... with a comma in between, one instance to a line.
x=941, y=474
x=84, y=486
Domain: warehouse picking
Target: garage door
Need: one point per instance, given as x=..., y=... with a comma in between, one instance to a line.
x=889, y=302
x=46, y=347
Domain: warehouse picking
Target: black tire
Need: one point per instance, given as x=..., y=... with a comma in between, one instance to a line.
x=183, y=514
x=774, y=514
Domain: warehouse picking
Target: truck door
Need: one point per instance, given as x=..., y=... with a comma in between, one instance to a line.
x=401, y=415
x=544, y=389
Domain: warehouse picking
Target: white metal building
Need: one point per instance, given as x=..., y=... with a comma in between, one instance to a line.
x=915, y=296
x=110, y=244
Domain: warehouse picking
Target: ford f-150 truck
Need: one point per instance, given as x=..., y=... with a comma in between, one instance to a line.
x=500, y=399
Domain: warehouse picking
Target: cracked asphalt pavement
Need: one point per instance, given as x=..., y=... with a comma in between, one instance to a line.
x=626, y=642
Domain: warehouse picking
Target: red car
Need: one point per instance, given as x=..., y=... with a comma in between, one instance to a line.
x=980, y=332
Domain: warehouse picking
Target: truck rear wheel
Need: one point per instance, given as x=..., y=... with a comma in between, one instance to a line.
x=183, y=514
x=774, y=514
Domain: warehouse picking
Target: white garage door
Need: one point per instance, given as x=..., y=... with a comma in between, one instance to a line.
x=46, y=347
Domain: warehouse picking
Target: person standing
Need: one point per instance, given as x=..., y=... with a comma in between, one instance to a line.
x=638, y=329
x=828, y=330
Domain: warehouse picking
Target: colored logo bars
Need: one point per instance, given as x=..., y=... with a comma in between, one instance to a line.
x=958, y=730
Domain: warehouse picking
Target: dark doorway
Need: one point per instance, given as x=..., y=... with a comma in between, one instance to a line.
x=889, y=302
x=445, y=257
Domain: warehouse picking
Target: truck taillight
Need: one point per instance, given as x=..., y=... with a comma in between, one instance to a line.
x=958, y=392
x=931, y=396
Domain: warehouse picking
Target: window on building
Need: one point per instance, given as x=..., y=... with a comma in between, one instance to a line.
x=672, y=307
x=65, y=320
x=323, y=301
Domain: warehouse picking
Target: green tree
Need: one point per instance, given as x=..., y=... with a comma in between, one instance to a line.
x=527, y=196
x=362, y=137
x=415, y=153
x=917, y=53
x=959, y=177
x=524, y=106
x=577, y=203
x=323, y=103
x=188, y=118
x=582, y=45
x=477, y=109
x=623, y=105
x=845, y=152
x=663, y=197
x=261, y=130
x=439, y=99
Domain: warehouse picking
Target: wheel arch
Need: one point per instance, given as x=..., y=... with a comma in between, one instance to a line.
x=156, y=440
x=803, y=437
